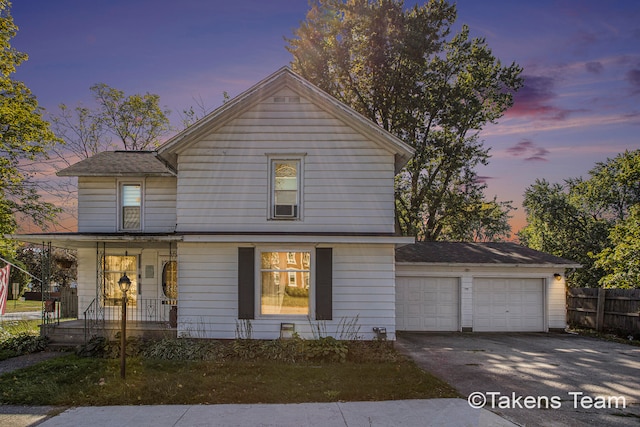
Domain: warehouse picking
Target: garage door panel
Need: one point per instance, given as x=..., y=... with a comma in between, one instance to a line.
x=431, y=305
x=508, y=305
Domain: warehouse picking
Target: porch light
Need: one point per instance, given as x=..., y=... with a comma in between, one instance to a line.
x=557, y=276
x=125, y=284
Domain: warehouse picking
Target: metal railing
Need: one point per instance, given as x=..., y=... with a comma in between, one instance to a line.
x=92, y=321
x=139, y=311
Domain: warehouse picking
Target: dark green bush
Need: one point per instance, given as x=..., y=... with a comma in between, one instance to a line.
x=24, y=343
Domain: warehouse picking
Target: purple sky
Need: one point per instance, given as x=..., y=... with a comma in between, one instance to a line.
x=581, y=59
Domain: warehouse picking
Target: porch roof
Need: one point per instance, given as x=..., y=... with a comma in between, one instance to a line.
x=88, y=240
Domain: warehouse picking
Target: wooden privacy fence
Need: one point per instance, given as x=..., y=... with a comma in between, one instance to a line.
x=616, y=310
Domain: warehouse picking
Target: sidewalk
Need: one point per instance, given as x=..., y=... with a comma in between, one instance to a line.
x=432, y=412
x=22, y=315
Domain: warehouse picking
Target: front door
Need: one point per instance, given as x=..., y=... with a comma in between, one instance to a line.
x=169, y=288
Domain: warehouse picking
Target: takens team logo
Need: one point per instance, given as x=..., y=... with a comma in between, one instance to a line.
x=497, y=400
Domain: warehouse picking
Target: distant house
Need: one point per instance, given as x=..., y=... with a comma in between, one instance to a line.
x=276, y=211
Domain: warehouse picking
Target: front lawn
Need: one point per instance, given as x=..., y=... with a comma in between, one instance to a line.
x=75, y=381
x=17, y=306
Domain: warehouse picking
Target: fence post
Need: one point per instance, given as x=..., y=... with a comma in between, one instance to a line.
x=600, y=309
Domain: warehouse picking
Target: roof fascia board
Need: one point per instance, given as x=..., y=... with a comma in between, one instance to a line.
x=487, y=264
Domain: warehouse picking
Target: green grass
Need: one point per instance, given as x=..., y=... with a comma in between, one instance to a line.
x=15, y=327
x=16, y=306
x=72, y=380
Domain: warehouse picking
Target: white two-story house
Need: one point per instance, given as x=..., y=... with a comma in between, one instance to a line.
x=276, y=211
x=274, y=214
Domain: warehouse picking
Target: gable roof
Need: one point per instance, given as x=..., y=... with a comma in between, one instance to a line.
x=119, y=163
x=285, y=77
x=478, y=253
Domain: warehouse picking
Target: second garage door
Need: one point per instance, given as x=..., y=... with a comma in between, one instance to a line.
x=427, y=303
x=508, y=305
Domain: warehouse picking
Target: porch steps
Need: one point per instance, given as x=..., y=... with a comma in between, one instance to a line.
x=71, y=333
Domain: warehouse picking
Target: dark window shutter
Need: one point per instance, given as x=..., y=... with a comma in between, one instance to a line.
x=324, y=284
x=246, y=277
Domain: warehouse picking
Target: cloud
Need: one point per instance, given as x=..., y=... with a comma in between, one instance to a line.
x=528, y=150
x=535, y=100
x=594, y=67
x=480, y=179
x=633, y=77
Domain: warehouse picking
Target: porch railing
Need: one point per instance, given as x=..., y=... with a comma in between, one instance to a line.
x=140, y=311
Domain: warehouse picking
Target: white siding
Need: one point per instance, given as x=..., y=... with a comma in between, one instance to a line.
x=160, y=204
x=363, y=288
x=223, y=180
x=98, y=204
x=557, y=300
x=86, y=279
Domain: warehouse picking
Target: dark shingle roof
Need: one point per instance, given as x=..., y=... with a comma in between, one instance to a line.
x=119, y=163
x=476, y=253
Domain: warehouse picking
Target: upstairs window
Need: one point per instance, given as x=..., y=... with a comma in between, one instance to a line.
x=285, y=189
x=130, y=198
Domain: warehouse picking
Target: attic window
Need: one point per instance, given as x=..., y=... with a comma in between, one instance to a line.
x=279, y=99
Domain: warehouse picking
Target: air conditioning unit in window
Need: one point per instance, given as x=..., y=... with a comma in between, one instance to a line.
x=285, y=211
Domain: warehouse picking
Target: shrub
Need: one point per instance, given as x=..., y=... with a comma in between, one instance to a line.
x=24, y=343
x=326, y=349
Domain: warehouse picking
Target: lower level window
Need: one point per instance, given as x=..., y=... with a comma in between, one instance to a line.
x=113, y=269
x=284, y=284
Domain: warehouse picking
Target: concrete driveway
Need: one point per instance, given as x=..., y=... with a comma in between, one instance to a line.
x=536, y=379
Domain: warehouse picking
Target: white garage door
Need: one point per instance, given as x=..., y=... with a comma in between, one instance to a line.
x=508, y=305
x=427, y=303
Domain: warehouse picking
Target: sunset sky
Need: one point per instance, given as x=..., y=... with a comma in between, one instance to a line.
x=581, y=58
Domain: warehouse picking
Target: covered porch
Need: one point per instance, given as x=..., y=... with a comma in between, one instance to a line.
x=149, y=261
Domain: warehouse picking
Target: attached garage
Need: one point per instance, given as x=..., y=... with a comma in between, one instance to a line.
x=479, y=287
x=508, y=305
x=427, y=304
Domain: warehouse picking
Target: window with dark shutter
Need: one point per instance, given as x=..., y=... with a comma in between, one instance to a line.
x=324, y=284
x=246, y=288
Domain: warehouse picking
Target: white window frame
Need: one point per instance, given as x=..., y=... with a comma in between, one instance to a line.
x=277, y=158
x=258, y=282
x=132, y=298
x=120, y=218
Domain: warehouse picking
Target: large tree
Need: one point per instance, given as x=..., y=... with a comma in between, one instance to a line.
x=591, y=221
x=136, y=122
x=25, y=138
x=401, y=69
